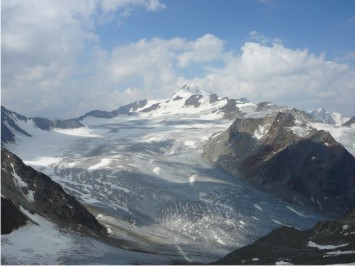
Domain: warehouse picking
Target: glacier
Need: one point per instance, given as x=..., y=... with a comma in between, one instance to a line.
x=144, y=179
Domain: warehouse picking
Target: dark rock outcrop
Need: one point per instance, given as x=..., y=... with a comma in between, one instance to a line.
x=213, y=98
x=268, y=106
x=129, y=108
x=193, y=100
x=37, y=193
x=98, y=113
x=151, y=108
x=11, y=217
x=312, y=169
x=68, y=123
x=350, y=122
x=329, y=242
x=230, y=109
x=46, y=124
x=7, y=122
x=43, y=123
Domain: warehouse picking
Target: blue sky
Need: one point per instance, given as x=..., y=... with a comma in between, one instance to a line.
x=64, y=58
x=319, y=25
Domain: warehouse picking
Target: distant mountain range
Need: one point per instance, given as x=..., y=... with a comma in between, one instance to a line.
x=274, y=146
x=321, y=115
x=189, y=100
x=10, y=124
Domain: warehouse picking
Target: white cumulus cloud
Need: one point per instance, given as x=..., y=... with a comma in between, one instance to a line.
x=42, y=44
x=293, y=77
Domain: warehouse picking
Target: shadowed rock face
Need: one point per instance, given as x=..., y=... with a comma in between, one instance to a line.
x=230, y=109
x=126, y=109
x=213, y=98
x=7, y=122
x=37, y=193
x=45, y=124
x=330, y=242
x=151, y=108
x=312, y=169
x=11, y=217
x=268, y=106
x=350, y=122
x=99, y=114
x=193, y=100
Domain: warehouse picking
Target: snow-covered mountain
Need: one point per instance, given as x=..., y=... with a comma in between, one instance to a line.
x=189, y=100
x=322, y=116
x=139, y=170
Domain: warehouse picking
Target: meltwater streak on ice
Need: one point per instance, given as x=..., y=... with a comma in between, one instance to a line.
x=146, y=176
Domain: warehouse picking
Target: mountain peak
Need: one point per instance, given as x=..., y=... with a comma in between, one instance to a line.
x=190, y=89
x=321, y=110
x=323, y=116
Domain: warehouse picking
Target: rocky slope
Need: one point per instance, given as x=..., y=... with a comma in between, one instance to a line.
x=330, y=242
x=23, y=188
x=11, y=217
x=287, y=157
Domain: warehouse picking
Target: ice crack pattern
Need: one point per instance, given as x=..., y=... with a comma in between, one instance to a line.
x=146, y=181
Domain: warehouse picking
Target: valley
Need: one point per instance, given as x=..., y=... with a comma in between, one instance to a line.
x=148, y=183
x=143, y=177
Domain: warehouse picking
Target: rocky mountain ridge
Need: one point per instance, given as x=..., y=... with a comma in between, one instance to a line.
x=284, y=155
x=24, y=187
x=9, y=124
x=189, y=100
x=329, y=242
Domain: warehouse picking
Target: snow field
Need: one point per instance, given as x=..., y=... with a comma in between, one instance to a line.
x=343, y=135
x=314, y=245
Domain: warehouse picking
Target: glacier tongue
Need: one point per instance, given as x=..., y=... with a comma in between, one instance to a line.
x=145, y=180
